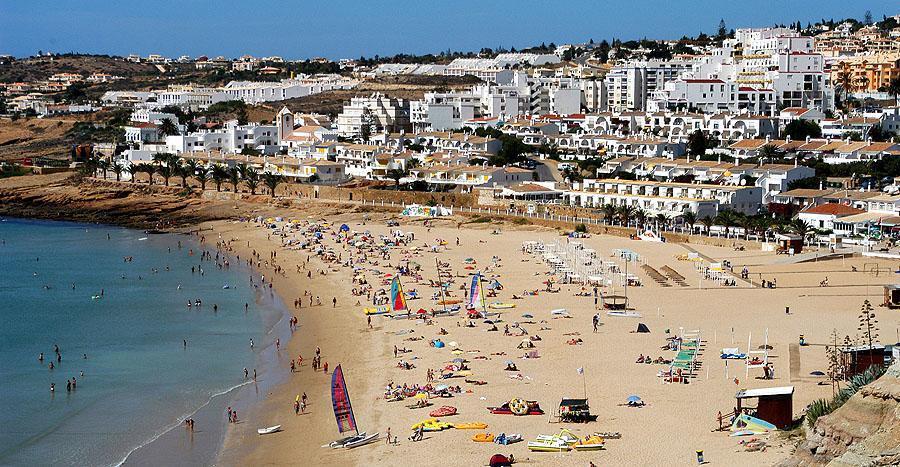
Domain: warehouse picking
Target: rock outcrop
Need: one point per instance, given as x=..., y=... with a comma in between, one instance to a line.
x=865, y=431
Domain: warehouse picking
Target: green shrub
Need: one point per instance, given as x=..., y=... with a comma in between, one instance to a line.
x=581, y=228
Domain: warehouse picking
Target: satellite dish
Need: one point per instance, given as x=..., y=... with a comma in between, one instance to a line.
x=743, y=182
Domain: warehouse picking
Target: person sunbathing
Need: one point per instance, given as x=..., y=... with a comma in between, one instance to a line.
x=640, y=359
x=511, y=367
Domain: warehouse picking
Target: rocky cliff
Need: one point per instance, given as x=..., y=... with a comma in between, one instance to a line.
x=865, y=431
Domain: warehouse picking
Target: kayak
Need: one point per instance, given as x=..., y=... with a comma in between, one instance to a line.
x=269, y=430
x=591, y=443
x=501, y=306
x=470, y=426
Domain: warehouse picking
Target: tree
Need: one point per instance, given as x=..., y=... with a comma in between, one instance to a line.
x=609, y=213
x=148, y=169
x=167, y=128
x=201, y=175
x=722, y=31
x=689, y=218
x=103, y=166
x=801, y=227
x=133, y=169
x=396, y=175
x=251, y=179
x=867, y=18
x=271, y=181
x=182, y=171
x=234, y=176
x=868, y=325
x=165, y=171
x=697, y=143
x=770, y=152
x=118, y=169
x=799, y=129
x=893, y=88
x=727, y=219
x=707, y=223
x=219, y=174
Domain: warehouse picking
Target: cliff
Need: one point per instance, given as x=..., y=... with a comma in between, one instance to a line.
x=865, y=431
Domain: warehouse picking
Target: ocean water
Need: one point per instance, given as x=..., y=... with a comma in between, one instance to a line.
x=139, y=380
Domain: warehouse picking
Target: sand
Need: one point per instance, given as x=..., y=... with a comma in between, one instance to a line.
x=677, y=420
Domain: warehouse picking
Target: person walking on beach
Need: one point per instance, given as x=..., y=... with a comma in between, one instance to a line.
x=388, y=439
x=369, y=320
x=596, y=320
x=325, y=368
x=245, y=373
x=334, y=302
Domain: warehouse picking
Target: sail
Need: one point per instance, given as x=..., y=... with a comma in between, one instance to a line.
x=475, y=293
x=398, y=299
x=340, y=399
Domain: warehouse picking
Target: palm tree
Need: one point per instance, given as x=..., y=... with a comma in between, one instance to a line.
x=251, y=179
x=707, y=222
x=219, y=174
x=117, y=169
x=148, y=169
x=640, y=217
x=103, y=166
x=133, y=169
x=234, y=176
x=201, y=175
x=802, y=228
x=662, y=220
x=183, y=171
x=845, y=79
x=272, y=181
x=747, y=223
x=396, y=175
x=690, y=218
x=167, y=127
x=893, y=88
x=190, y=167
x=165, y=171
x=242, y=170
x=625, y=213
x=726, y=219
x=609, y=213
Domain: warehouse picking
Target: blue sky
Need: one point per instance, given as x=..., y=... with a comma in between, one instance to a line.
x=350, y=28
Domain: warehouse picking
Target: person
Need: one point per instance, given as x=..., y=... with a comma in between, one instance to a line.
x=245, y=372
x=596, y=321
x=325, y=368
x=388, y=438
x=334, y=302
x=369, y=319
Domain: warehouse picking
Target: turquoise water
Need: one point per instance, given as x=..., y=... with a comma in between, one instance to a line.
x=139, y=379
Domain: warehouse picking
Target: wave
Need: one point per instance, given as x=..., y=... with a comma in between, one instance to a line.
x=180, y=423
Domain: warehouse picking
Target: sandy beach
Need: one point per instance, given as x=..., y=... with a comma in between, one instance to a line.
x=677, y=420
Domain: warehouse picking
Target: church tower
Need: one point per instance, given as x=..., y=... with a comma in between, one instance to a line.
x=285, y=122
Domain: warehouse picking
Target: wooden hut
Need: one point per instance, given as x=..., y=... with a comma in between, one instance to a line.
x=775, y=405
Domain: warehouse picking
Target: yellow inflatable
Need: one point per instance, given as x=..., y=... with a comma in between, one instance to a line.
x=470, y=426
x=432, y=424
x=483, y=438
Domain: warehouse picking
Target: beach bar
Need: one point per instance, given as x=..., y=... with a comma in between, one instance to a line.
x=775, y=405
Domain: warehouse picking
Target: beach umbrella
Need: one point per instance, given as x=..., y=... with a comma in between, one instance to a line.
x=634, y=398
x=345, y=228
x=509, y=362
x=421, y=396
x=421, y=311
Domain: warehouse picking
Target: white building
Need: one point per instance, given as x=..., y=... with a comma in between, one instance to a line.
x=667, y=198
x=376, y=112
x=231, y=139
x=629, y=86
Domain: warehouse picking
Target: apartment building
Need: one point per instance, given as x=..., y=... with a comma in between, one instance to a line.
x=377, y=113
x=866, y=73
x=629, y=85
x=667, y=198
x=233, y=138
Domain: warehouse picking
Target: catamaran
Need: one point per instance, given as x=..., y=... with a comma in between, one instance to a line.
x=343, y=414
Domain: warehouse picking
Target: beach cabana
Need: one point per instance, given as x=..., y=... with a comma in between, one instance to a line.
x=575, y=411
x=774, y=405
x=789, y=243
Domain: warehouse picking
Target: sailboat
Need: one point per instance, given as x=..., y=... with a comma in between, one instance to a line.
x=343, y=414
x=398, y=306
x=476, y=297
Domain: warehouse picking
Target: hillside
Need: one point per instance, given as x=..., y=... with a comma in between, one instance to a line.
x=865, y=431
x=41, y=68
x=400, y=87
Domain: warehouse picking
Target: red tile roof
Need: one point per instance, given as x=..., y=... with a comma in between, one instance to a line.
x=834, y=209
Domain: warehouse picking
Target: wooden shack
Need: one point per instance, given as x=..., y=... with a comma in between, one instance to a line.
x=774, y=405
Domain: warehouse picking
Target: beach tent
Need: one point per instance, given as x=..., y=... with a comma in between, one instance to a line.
x=345, y=228
x=641, y=327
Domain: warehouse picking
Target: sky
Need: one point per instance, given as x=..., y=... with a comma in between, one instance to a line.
x=297, y=29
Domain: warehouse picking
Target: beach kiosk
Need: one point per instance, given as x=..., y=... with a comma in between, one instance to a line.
x=575, y=411
x=858, y=359
x=789, y=243
x=774, y=405
x=892, y=295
